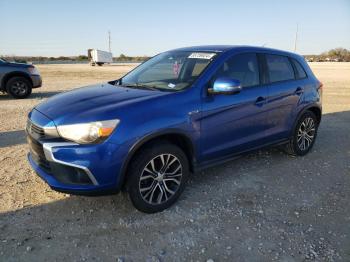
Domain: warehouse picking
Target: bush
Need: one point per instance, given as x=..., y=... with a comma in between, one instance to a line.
x=336, y=55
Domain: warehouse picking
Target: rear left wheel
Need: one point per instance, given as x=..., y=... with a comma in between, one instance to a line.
x=304, y=135
x=157, y=177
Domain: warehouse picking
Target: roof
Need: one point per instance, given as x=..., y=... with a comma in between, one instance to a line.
x=209, y=48
x=225, y=48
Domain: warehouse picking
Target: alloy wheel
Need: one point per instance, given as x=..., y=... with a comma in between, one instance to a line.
x=306, y=133
x=19, y=88
x=160, y=179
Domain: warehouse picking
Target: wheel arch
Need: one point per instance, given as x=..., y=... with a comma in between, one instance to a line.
x=10, y=75
x=317, y=111
x=176, y=137
x=314, y=108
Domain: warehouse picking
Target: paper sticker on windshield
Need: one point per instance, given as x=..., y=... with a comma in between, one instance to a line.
x=202, y=55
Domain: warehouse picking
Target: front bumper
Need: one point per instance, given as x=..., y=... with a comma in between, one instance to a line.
x=77, y=169
x=71, y=167
x=37, y=81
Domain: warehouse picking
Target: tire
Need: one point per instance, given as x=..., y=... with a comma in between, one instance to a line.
x=148, y=177
x=19, y=87
x=304, y=135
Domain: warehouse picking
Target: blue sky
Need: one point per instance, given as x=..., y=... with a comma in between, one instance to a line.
x=67, y=27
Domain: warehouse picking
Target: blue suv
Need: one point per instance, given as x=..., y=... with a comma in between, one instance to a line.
x=179, y=112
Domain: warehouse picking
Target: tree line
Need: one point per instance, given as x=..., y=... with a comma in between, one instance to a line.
x=80, y=58
x=334, y=55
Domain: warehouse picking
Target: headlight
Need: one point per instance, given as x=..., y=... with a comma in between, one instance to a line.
x=86, y=133
x=33, y=71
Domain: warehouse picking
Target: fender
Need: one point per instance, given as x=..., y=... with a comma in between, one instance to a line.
x=313, y=105
x=7, y=76
x=142, y=141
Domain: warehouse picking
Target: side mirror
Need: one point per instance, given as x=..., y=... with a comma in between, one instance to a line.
x=225, y=86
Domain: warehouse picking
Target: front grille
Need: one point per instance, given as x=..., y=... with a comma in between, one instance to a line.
x=35, y=130
x=38, y=155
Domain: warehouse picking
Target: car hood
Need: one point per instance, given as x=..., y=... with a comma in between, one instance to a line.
x=92, y=103
x=15, y=64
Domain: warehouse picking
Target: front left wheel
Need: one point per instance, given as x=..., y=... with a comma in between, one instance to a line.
x=157, y=177
x=19, y=87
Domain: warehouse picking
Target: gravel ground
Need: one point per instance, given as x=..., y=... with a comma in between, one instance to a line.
x=264, y=206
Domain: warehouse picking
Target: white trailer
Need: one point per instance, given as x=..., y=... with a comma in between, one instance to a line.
x=99, y=57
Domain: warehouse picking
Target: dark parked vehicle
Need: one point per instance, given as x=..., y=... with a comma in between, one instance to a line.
x=180, y=111
x=18, y=79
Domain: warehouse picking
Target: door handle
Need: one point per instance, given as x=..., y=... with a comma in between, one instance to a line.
x=193, y=112
x=299, y=91
x=260, y=101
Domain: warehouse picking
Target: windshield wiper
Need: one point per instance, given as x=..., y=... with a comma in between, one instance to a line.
x=141, y=86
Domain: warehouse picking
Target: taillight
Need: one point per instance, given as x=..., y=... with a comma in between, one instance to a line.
x=320, y=86
x=320, y=89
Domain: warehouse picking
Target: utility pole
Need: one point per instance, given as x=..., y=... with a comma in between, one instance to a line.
x=109, y=41
x=296, y=39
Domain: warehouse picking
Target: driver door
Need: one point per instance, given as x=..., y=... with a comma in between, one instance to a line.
x=234, y=123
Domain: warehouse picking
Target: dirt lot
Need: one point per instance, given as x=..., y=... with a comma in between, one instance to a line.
x=264, y=206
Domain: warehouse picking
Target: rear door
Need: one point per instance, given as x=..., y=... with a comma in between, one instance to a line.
x=233, y=123
x=284, y=94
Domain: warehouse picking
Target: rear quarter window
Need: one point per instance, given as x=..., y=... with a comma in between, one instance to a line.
x=279, y=68
x=300, y=72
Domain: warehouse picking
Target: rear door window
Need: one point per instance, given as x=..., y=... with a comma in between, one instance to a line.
x=242, y=67
x=279, y=68
x=299, y=69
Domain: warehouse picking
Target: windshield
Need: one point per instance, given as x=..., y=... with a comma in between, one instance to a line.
x=2, y=60
x=171, y=71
